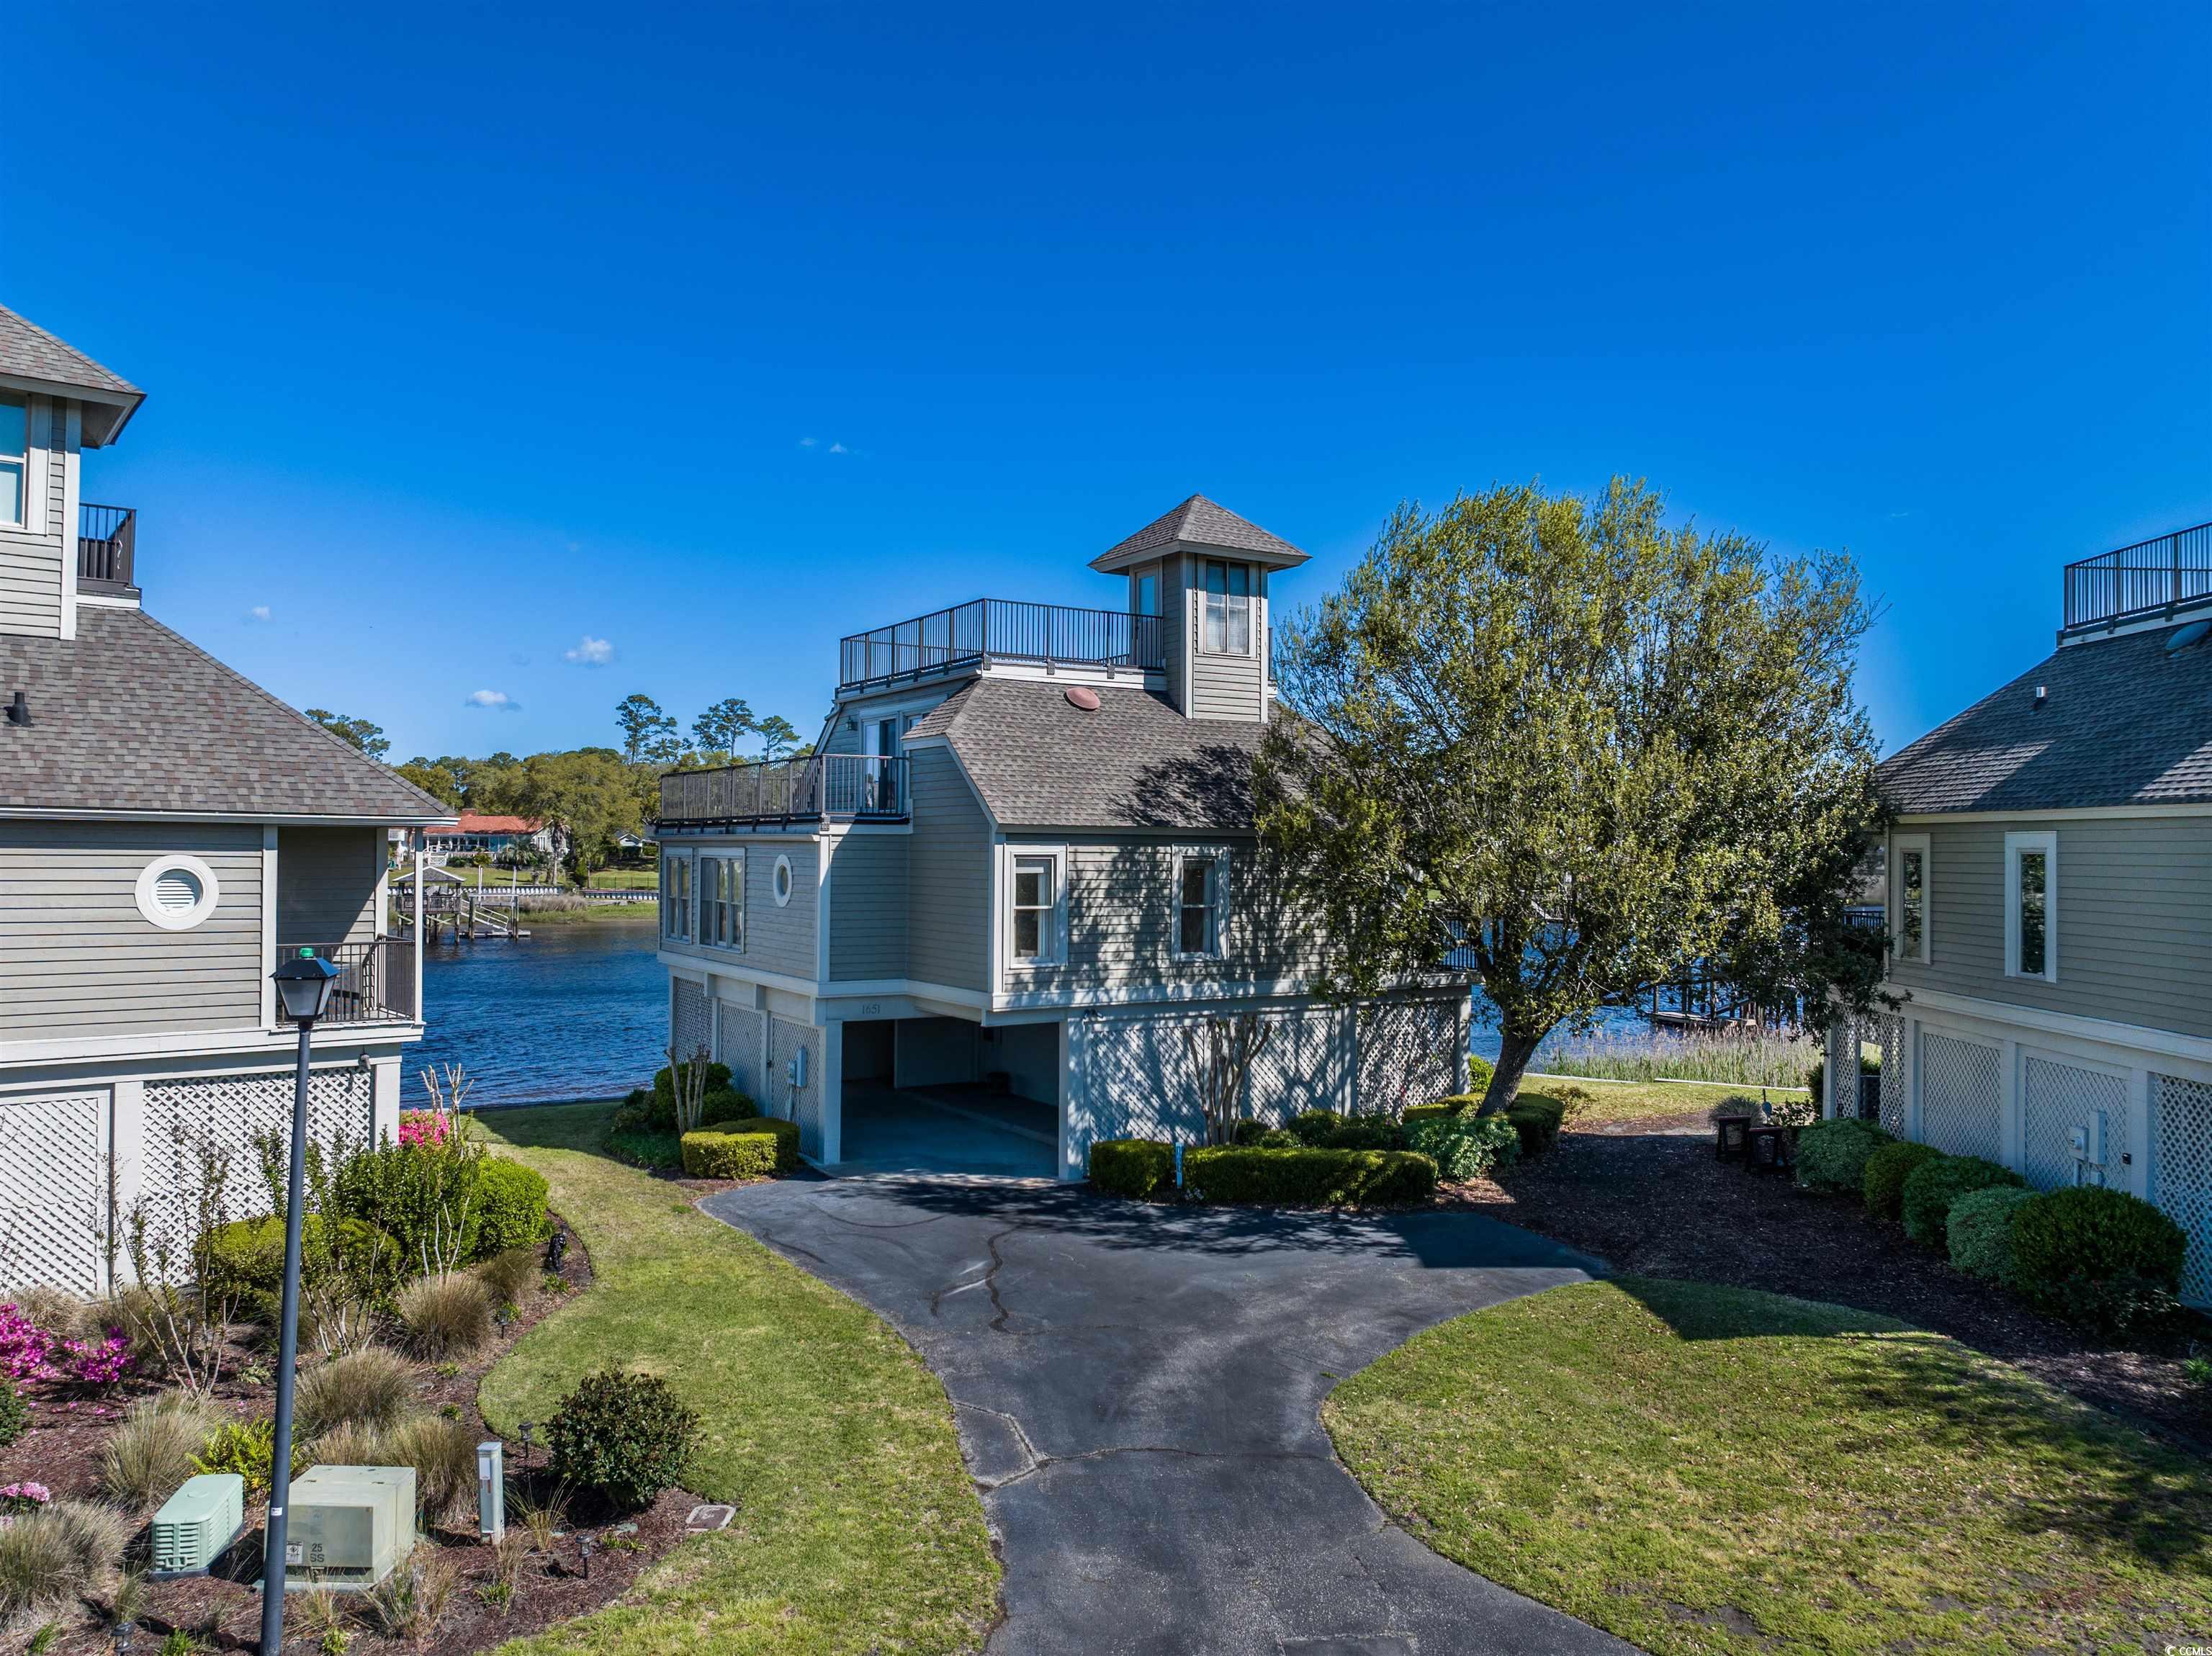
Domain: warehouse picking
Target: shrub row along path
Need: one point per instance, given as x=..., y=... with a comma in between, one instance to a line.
x=1138, y=1391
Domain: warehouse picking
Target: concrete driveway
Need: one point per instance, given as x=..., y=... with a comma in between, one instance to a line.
x=1137, y=1390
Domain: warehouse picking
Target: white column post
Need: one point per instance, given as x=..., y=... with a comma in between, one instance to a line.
x=269, y=873
x=1072, y=1036
x=833, y=1092
x=2012, y=1150
x=2139, y=1177
x=384, y=1086
x=126, y=1152
x=414, y=838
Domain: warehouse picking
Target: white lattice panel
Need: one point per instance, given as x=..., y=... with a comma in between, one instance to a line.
x=737, y=1044
x=1959, y=1095
x=1889, y=1032
x=802, y=1104
x=1304, y=1067
x=1138, y=1083
x=53, y=1190
x=2055, y=1099
x=227, y=1112
x=2183, y=1127
x=690, y=1027
x=1409, y=1053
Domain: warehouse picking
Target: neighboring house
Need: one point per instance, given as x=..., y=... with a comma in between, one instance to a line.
x=168, y=830
x=2050, y=893
x=503, y=839
x=1023, y=860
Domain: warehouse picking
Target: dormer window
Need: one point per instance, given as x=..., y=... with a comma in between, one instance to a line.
x=15, y=458
x=1226, y=625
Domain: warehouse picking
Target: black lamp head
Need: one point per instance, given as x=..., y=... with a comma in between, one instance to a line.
x=305, y=984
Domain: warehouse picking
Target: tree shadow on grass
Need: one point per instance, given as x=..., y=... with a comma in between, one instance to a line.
x=1932, y=1398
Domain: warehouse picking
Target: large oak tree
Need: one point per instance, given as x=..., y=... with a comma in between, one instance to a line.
x=1587, y=748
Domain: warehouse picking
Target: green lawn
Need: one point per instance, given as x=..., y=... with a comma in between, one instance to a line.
x=626, y=879
x=1626, y=1101
x=857, y=1529
x=1701, y=1469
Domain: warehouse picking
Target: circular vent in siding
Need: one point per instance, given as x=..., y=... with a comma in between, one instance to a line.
x=176, y=892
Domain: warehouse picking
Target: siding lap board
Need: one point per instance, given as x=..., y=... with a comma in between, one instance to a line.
x=948, y=876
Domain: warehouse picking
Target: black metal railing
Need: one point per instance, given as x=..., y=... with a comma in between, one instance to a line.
x=838, y=786
x=1003, y=630
x=2142, y=579
x=106, y=546
x=376, y=981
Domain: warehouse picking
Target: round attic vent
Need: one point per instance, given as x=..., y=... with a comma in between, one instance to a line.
x=2185, y=636
x=1078, y=696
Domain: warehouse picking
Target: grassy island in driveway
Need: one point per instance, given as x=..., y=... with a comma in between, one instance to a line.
x=857, y=1529
x=1703, y=1469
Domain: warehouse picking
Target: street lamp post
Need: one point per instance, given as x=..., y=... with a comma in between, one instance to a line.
x=305, y=985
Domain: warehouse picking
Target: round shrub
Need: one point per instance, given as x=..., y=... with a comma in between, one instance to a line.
x=1132, y=1167
x=626, y=1435
x=1248, y=1132
x=1536, y=1119
x=1979, y=1231
x=1931, y=1188
x=2089, y=1230
x=1886, y=1170
x=1465, y=1147
x=1312, y=1126
x=1831, y=1155
x=725, y=1104
x=510, y=1205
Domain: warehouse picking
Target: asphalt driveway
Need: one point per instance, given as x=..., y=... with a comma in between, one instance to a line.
x=1137, y=1390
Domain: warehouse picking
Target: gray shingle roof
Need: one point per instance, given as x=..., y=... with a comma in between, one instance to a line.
x=129, y=717
x=29, y=350
x=1198, y=521
x=1136, y=764
x=2125, y=723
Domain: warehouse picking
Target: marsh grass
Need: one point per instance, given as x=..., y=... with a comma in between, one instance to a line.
x=1759, y=1059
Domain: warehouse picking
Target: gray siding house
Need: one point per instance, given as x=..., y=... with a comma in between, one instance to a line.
x=2050, y=895
x=168, y=830
x=1020, y=863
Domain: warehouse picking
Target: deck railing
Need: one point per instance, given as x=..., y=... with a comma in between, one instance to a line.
x=2143, y=580
x=838, y=786
x=376, y=981
x=1003, y=630
x=106, y=548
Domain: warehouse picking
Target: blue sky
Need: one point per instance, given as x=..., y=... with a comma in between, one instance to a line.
x=708, y=337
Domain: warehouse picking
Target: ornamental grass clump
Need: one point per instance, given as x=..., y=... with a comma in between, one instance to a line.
x=444, y=1316
x=57, y=1554
x=151, y=1453
x=627, y=1436
x=372, y=1386
x=443, y=1454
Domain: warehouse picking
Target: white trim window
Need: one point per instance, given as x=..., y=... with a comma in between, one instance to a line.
x=1226, y=621
x=676, y=898
x=1033, y=909
x=15, y=460
x=2032, y=905
x=1201, y=890
x=1908, y=917
x=722, y=900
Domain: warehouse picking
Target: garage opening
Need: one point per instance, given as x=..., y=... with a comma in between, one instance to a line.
x=945, y=1096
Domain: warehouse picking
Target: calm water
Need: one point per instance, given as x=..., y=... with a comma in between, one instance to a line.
x=579, y=1011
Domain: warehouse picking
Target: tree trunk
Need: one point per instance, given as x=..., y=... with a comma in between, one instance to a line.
x=1514, y=1050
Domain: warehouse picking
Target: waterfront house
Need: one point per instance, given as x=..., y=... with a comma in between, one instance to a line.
x=1019, y=865
x=168, y=830
x=2050, y=899
x=502, y=839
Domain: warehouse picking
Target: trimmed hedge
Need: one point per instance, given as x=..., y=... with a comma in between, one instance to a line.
x=1831, y=1155
x=1886, y=1170
x=510, y=1208
x=1931, y=1188
x=1537, y=1118
x=1979, y=1231
x=1312, y=1178
x=1132, y=1167
x=759, y=1148
x=1464, y=1146
x=2091, y=1231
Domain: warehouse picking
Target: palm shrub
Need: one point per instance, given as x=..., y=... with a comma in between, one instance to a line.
x=1931, y=1188
x=1979, y=1231
x=444, y=1316
x=372, y=1386
x=1886, y=1170
x=151, y=1452
x=627, y=1436
x=58, y=1554
x=1831, y=1155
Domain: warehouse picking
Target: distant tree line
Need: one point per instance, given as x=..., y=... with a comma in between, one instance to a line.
x=720, y=735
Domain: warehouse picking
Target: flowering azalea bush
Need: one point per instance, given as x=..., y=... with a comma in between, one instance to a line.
x=25, y=1348
x=428, y=1128
x=24, y=1497
x=98, y=1362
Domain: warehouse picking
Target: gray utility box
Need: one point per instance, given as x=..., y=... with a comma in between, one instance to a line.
x=350, y=1525
x=197, y=1524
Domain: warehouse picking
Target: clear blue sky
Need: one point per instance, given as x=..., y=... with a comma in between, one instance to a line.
x=713, y=337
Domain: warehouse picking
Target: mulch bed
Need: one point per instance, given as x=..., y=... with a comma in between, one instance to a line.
x=1649, y=1197
x=222, y=1611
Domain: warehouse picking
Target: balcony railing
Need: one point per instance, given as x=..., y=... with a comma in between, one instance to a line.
x=107, y=543
x=1003, y=630
x=376, y=982
x=838, y=786
x=2147, y=578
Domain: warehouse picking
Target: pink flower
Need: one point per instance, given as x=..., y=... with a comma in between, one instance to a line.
x=25, y=1348
x=426, y=1128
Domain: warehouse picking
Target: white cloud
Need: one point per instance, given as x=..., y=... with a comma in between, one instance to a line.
x=258, y=612
x=839, y=448
x=592, y=652
x=809, y=442
x=496, y=699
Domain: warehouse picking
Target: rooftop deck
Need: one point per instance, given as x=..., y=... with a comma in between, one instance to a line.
x=985, y=630
x=107, y=549
x=2136, y=583
x=831, y=787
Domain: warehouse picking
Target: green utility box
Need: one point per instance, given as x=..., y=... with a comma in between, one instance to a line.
x=197, y=1524
x=350, y=1525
